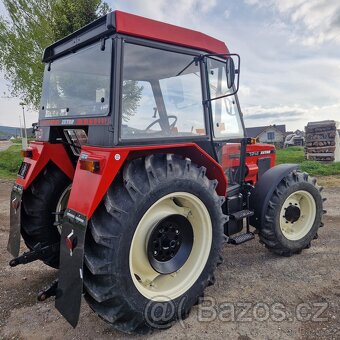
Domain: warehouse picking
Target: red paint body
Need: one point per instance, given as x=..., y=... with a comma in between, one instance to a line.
x=231, y=158
x=89, y=188
x=42, y=153
x=159, y=31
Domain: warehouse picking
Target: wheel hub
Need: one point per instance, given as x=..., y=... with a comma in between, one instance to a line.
x=292, y=213
x=297, y=215
x=170, y=244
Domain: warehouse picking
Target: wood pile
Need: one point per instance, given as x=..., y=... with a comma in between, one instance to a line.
x=322, y=141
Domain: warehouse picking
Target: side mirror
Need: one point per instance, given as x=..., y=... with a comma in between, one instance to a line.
x=230, y=72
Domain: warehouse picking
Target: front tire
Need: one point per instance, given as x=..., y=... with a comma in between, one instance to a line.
x=293, y=215
x=134, y=269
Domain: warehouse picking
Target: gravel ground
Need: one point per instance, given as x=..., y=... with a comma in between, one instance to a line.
x=257, y=295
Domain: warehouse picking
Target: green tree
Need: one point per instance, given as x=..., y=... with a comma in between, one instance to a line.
x=70, y=15
x=131, y=96
x=31, y=25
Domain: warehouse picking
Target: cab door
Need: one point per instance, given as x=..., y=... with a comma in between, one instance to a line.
x=227, y=124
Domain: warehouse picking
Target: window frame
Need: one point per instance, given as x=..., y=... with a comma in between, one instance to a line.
x=118, y=112
x=42, y=113
x=271, y=133
x=210, y=103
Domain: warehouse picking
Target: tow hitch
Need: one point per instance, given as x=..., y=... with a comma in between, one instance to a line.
x=37, y=253
x=51, y=290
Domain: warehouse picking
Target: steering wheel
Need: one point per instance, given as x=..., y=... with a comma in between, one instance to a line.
x=172, y=125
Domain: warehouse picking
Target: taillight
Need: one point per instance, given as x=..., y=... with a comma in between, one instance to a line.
x=92, y=165
x=27, y=153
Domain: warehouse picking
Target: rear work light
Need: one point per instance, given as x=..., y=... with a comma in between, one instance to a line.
x=76, y=138
x=92, y=165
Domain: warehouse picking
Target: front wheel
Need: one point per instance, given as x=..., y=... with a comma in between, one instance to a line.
x=293, y=215
x=153, y=244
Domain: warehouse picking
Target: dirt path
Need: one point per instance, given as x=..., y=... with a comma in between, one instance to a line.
x=279, y=297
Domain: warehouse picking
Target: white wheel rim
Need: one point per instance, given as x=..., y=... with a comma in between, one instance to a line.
x=298, y=229
x=152, y=284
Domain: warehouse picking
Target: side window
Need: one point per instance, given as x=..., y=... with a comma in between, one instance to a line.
x=183, y=99
x=226, y=116
x=138, y=109
x=161, y=94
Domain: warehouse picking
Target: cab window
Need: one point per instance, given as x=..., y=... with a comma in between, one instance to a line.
x=161, y=96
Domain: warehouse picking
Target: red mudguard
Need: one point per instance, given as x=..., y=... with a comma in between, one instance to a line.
x=89, y=188
x=42, y=153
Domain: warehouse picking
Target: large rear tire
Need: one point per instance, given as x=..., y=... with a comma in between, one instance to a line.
x=293, y=215
x=39, y=202
x=153, y=244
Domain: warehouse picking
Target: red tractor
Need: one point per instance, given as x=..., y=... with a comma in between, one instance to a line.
x=142, y=170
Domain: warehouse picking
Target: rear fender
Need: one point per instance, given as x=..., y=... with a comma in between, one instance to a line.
x=42, y=153
x=88, y=189
x=264, y=189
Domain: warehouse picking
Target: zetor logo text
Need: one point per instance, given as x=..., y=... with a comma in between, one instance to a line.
x=259, y=153
x=67, y=121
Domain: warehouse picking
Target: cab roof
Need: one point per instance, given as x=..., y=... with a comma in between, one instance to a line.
x=136, y=26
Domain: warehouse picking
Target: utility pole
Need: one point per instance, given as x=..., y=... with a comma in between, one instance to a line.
x=20, y=127
x=24, y=137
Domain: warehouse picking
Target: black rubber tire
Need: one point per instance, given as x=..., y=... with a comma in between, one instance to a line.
x=39, y=202
x=270, y=232
x=108, y=285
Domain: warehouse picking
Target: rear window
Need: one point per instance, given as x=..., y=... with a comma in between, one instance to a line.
x=78, y=84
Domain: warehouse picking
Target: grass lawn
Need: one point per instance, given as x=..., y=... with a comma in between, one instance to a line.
x=10, y=161
x=296, y=155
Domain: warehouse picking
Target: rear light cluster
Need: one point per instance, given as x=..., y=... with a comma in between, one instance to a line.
x=76, y=138
x=27, y=153
x=89, y=164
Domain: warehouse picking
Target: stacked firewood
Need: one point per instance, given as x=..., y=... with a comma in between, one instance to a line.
x=322, y=141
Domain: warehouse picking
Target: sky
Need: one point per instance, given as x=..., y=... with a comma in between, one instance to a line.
x=290, y=54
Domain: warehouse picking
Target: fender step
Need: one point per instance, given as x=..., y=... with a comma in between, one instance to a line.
x=240, y=215
x=241, y=239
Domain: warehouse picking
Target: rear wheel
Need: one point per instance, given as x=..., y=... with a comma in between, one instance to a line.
x=153, y=244
x=293, y=216
x=39, y=204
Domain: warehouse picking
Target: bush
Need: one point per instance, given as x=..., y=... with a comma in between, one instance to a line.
x=10, y=161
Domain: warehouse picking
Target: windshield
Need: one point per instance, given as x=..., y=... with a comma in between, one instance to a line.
x=78, y=84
